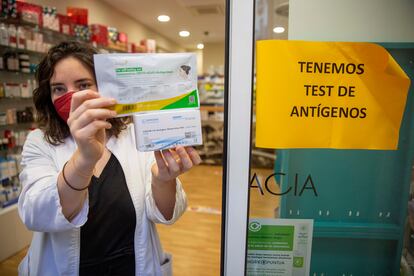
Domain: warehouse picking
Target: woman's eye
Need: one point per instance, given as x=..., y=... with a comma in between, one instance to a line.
x=58, y=90
x=84, y=86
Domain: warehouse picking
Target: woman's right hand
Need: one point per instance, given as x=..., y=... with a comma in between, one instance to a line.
x=87, y=124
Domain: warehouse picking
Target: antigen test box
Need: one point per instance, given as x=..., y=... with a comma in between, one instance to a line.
x=167, y=129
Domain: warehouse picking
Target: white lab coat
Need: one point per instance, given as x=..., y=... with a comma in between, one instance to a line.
x=55, y=248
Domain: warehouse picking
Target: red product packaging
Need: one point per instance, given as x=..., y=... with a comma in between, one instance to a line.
x=99, y=34
x=65, y=24
x=78, y=16
x=30, y=13
x=123, y=38
x=135, y=48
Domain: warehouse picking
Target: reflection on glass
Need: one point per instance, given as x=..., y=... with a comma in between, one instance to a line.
x=356, y=199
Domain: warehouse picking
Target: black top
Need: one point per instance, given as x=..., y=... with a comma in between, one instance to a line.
x=107, y=238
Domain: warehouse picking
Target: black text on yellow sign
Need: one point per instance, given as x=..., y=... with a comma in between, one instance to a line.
x=328, y=95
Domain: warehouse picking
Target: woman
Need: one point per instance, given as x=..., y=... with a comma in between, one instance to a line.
x=89, y=196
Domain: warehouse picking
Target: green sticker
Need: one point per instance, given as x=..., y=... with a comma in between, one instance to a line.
x=298, y=262
x=270, y=237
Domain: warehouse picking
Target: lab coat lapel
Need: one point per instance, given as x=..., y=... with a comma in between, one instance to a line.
x=65, y=151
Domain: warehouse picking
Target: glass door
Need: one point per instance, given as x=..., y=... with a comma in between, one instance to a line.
x=309, y=210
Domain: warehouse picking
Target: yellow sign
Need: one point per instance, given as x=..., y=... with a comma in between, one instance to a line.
x=340, y=95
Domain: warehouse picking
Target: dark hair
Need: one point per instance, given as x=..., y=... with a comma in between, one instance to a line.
x=56, y=129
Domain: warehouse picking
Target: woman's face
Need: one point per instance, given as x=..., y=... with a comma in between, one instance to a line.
x=70, y=75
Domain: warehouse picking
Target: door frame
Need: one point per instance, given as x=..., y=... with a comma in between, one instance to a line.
x=237, y=134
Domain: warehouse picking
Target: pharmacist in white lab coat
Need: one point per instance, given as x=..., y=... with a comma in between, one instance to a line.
x=89, y=196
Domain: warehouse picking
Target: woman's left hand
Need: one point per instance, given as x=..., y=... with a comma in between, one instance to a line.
x=173, y=162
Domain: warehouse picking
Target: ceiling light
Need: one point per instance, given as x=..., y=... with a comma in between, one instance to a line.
x=278, y=30
x=200, y=46
x=184, y=33
x=163, y=18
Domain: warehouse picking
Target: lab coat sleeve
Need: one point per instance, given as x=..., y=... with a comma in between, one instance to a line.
x=152, y=210
x=39, y=203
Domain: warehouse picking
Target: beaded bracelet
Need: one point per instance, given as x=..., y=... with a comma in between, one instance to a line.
x=67, y=182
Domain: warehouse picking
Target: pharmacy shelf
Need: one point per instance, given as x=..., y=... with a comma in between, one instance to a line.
x=5, y=48
x=13, y=100
x=9, y=203
x=9, y=72
x=8, y=177
x=52, y=35
x=212, y=108
x=209, y=121
x=45, y=31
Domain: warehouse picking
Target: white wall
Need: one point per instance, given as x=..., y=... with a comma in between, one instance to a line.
x=352, y=20
x=213, y=55
x=102, y=13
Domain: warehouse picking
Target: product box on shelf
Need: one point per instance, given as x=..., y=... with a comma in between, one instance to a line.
x=79, y=16
x=11, y=90
x=3, y=118
x=3, y=8
x=82, y=32
x=149, y=44
x=50, y=19
x=123, y=38
x=112, y=34
x=65, y=24
x=30, y=13
x=9, y=9
x=99, y=34
x=11, y=116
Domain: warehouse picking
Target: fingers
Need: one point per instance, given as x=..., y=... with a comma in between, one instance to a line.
x=162, y=167
x=79, y=97
x=173, y=162
x=87, y=107
x=95, y=103
x=91, y=129
x=195, y=157
x=186, y=161
x=90, y=116
x=173, y=166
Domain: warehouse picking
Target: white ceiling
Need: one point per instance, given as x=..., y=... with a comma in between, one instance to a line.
x=204, y=28
x=184, y=16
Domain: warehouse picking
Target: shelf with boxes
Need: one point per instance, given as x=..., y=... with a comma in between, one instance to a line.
x=11, y=145
x=29, y=38
x=27, y=32
x=9, y=186
x=37, y=28
x=16, y=120
x=212, y=123
x=212, y=117
x=54, y=27
x=22, y=45
x=10, y=157
x=211, y=90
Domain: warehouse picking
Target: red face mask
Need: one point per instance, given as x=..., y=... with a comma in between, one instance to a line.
x=62, y=105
